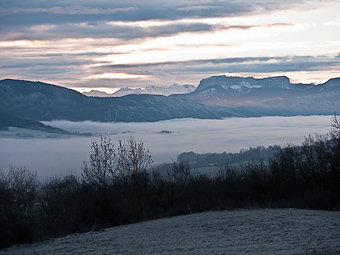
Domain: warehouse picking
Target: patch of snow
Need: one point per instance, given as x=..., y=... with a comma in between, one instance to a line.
x=127, y=91
x=253, y=86
x=208, y=92
x=96, y=93
x=236, y=87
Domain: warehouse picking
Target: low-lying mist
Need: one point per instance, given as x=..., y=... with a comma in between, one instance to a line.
x=165, y=139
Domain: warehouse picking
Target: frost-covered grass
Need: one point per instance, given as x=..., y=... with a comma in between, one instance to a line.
x=264, y=231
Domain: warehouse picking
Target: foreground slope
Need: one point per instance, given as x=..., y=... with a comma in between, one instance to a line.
x=265, y=231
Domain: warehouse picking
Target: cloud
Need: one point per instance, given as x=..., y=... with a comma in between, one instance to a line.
x=77, y=41
x=73, y=10
x=119, y=31
x=101, y=30
x=65, y=69
x=27, y=13
x=165, y=73
x=246, y=64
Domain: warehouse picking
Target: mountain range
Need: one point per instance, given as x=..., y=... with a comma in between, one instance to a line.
x=267, y=96
x=43, y=102
x=215, y=97
x=149, y=90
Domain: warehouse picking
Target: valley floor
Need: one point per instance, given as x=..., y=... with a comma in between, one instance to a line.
x=263, y=231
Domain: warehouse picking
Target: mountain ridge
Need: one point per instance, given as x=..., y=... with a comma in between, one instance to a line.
x=7, y=121
x=151, y=90
x=42, y=102
x=268, y=96
x=234, y=83
x=215, y=97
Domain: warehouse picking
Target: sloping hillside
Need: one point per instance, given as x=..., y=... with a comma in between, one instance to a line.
x=266, y=231
x=215, y=97
x=7, y=120
x=40, y=101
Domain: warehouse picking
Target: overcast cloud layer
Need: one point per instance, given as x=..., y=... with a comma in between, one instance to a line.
x=88, y=44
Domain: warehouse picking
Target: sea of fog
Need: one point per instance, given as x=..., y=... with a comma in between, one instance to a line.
x=165, y=139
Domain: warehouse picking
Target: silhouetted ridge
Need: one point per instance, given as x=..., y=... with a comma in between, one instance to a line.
x=215, y=97
x=7, y=120
x=41, y=101
x=268, y=96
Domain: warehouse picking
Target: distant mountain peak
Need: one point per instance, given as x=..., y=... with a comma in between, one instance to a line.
x=215, y=97
x=268, y=96
x=334, y=82
x=151, y=90
x=42, y=102
x=96, y=93
x=234, y=84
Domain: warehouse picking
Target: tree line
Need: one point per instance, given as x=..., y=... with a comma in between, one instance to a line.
x=219, y=159
x=117, y=187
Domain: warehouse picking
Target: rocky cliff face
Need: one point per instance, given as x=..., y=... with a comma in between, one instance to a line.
x=223, y=85
x=268, y=96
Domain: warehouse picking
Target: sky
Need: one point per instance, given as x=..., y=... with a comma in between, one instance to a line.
x=106, y=45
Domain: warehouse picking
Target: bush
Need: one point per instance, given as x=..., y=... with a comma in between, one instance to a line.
x=116, y=189
x=17, y=201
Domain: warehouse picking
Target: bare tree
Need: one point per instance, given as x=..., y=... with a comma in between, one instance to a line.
x=335, y=133
x=102, y=166
x=20, y=185
x=179, y=174
x=128, y=160
x=335, y=122
x=132, y=158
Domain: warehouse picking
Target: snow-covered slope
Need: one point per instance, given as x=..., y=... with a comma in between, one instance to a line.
x=96, y=93
x=173, y=89
x=265, y=231
x=151, y=90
